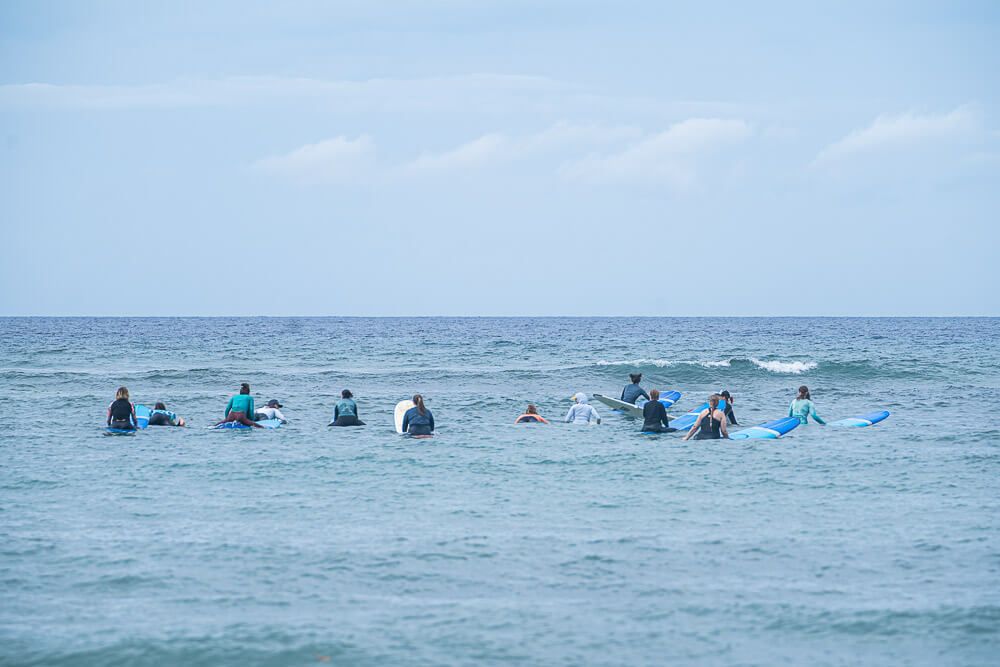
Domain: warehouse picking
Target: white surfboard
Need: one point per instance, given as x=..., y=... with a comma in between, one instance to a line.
x=615, y=404
x=401, y=409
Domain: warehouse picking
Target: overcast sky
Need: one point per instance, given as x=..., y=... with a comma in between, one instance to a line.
x=449, y=157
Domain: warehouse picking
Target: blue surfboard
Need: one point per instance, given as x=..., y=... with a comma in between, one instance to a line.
x=142, y=414
x=687, y=420
x=266, y=423
x=862, y=420
x=768, y=430
x=668, y=398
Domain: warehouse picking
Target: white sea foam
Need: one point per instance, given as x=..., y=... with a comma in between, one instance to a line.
x=663, y=363
x=793, y=367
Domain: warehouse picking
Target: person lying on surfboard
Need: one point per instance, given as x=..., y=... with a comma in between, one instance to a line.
x=632, y=392
x=531, y=416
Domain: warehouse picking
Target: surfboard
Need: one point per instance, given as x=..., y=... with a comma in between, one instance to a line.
x=862, y=420
x=142, y=414
x=266, y=423
x=687, y=420
x=400, y=411
x=668, y=398
x=767, y=431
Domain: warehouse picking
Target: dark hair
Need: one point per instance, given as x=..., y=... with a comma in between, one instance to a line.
x=245, y=388
x=635, y=377
x=418, y=401
x=804, y=392
x=654, y=394
x=532, y=410
x=159, y=406
x=346, y=394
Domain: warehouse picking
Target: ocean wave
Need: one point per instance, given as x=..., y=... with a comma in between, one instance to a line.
x=775, y=366
x=663, y=363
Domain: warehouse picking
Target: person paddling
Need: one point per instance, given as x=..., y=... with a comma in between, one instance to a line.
x=711, y=422
x=654, y=415
x=418, y=420
x=160, y=416
x=531, y=416
x=240, y=408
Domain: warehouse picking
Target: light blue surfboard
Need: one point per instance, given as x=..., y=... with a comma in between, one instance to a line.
x=687, y=420
x=142, y=414
x=862, y=420
x=768, y=430
x=266, y=423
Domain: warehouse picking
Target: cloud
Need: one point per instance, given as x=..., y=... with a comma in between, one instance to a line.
x=895, y=132
x=672, y=157
x=335, y=161
x=496, y=148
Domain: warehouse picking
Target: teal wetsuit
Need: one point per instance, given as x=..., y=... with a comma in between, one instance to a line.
x=241, y=403
x=803, y=408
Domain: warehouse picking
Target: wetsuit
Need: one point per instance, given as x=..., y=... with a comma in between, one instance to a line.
x=632, y=392
x=121, y=415
x=269, y=413
x=415, y=423
x=529, y=418
x=708, y=428
x=655, y=419
x=803, y=408
x=238, y=408
x=345, y=413
x=730, y=415
x=162, y=418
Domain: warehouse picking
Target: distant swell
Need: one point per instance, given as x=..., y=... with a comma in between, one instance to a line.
x=772, y=366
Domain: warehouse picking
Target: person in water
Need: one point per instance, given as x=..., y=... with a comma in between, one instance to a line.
x=632, y=392
x=121, y=412
x=160, y=416
x=711, y=422
x=531, y=416
x=581, y=412
x=418, y=420
x=270, y=411
x=730, y=415
x=802, y=407
x=240, y=408
x=345, y=413
x=654, y=415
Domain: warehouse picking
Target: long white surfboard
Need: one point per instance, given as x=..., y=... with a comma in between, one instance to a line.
x=400, y=412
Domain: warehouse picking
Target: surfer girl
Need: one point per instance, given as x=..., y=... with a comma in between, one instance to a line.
x=121, y=412
x=418, y=420
x=802, y=407
x=345, y=413
x=581, y=412
x=711, y=422
x=632, y=392
x=240, y=408
x=531, y=416
x=654, y=415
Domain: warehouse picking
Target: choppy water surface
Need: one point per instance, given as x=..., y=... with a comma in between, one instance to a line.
x=492, y=543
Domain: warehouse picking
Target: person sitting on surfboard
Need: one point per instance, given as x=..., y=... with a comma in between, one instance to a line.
x=345, y=413
x=632, y=392
x=654, y=415
x=581, y=413
x=239, y=407
x=270, y=411
x=531, y=416
x=730, y=415
x=160, y=416
x=121, y=412
x=418, y=420
x=711, y=422
x=802, y=407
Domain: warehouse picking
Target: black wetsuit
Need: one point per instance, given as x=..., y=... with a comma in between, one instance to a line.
x=730, y=415
x=708, y=428
x=654, y=418
x=121, y=415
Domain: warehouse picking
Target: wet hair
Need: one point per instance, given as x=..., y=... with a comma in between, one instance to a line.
x=346, y=394
x=532, y=410
x=713, y=401
x=804, y=392
x=121, y=393
x=159, y=406
x=245, y=388
x=654, y=394
x=418, y=401
x=635, y=377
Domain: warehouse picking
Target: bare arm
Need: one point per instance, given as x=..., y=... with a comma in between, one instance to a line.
x=722, y=421
x=697, y=424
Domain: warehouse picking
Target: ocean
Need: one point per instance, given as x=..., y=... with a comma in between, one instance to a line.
x=493, y=543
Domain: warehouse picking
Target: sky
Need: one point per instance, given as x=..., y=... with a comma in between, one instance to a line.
x=480, y=158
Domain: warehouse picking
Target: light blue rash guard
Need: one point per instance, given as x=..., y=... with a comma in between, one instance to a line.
x=803, y=408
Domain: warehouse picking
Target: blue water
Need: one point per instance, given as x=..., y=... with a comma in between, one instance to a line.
x=492, y=543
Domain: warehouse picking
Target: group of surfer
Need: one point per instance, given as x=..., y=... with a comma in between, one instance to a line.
x=710, y=424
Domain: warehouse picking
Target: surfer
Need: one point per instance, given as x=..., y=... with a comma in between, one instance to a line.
x=418, y=420
x=345, y=413
x=239, y=407
x=160, y=416
x=581, y=412
x=802, y=407
x=531, y=416
x=711, y=422
x=654, y=415
x=730, y=415
x=270, y=411
x=121, y=412
x=632, y=392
